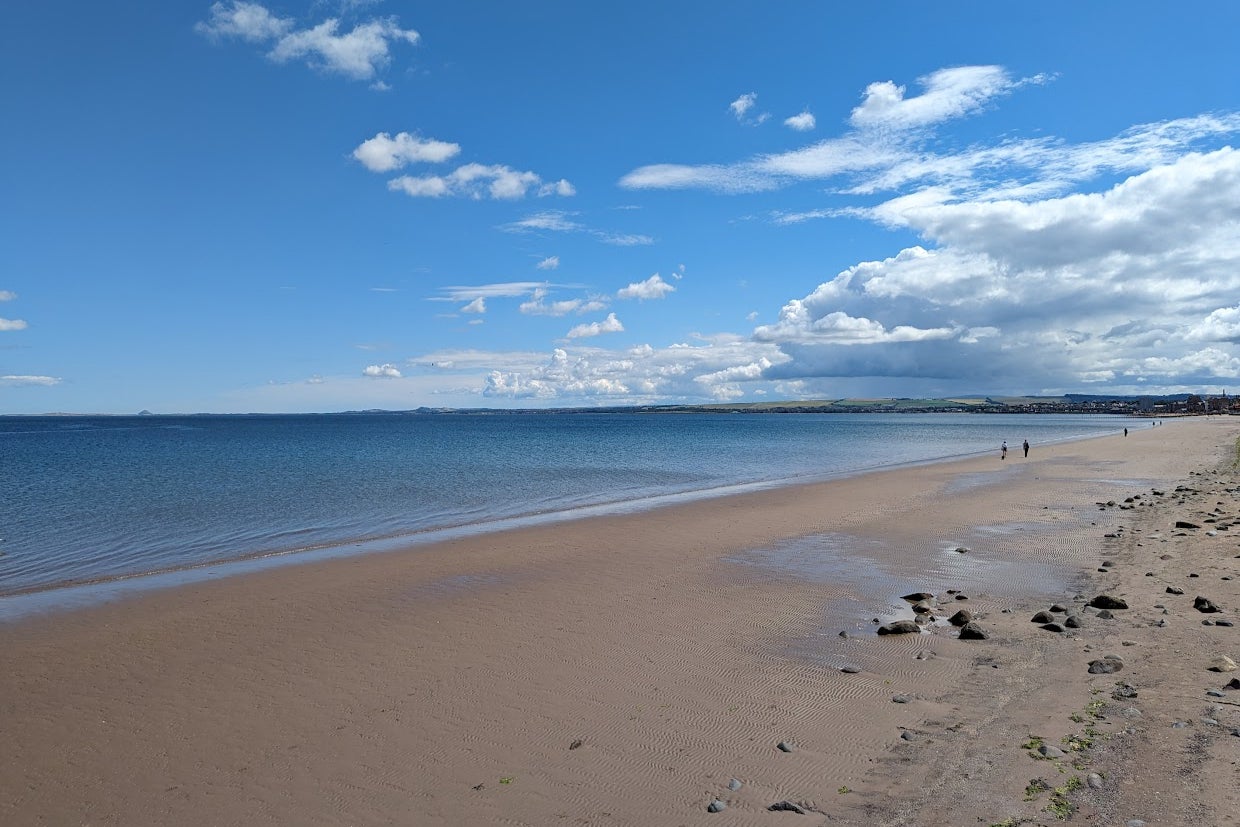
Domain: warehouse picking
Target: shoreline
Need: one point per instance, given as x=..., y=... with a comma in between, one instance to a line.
x=674, y=648
x=76, y=594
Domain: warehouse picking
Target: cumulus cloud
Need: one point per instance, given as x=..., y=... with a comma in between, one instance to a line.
x=359, y=53
x=384, y=371
x=12, y=324
x=383, y=153
x=652, y=288
x=804, y=122
x=478, y=181
x=539, y=306
x=609, y=325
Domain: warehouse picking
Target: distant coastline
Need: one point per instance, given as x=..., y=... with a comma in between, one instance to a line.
x=1183, y=404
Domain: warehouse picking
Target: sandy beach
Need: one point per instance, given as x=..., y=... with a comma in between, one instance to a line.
x=635, y=669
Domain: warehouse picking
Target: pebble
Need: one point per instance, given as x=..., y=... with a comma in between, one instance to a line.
x=734, y=785
x=908, y=736
x=1094, y=780
x=1134, y=822
x=787, y=807
x=716, y=806
x=850, y=670
x=1179, y=725
x=1048, y=751
x=784, y=746
x=900, y=699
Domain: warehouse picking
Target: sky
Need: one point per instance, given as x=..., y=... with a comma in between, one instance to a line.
x=328, y=205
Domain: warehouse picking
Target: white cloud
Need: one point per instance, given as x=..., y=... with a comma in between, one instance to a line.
x=742, y=106
x=383, y=153
x=804, y=122
x=609, y=325
x=12, y=324
x=384, y=371
x=561, y=188
x=539, y=306
x=476, y=181
x=478, y=305
x=949, y=93
x=652, y=288
x=359, y=53
x=549, y=263
x=251, y=22
x=44, y=381
x=507, y=289
x=563, y=222
x=7, y=295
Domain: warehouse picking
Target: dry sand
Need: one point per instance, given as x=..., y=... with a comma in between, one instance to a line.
x=623, y=670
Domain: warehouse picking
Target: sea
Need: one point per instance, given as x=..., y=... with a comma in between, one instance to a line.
x=92, y=508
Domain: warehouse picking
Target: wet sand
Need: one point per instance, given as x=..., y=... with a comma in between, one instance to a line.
x=624, y=669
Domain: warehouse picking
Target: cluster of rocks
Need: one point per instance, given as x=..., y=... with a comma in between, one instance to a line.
x=718, y=805
x=924, y=605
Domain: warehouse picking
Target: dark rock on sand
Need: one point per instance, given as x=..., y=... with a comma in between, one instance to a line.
x=734, y=785
x=1105, y=614
x=1106, y=601
x=1042, y=617
x=1072, y=622
x=1105, y=666
x=786, y=807
x=961, y=617
x=784, y=746
x=1174, y=590
x=971, y=631
x=1059, y=608
x=850, y=670
x=1204, y=604
x=716, y=806
x=1185, y=524
x=900, y=699
x=917, y=597
x=899, y=627
x=1052, y=627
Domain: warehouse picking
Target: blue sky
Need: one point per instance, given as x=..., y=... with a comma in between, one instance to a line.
x=318, y=206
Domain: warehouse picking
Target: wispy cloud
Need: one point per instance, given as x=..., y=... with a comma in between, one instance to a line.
x=742, y=108
x=558, y=221
x=43, y=381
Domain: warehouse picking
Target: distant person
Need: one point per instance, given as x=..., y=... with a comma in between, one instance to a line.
x=1026, y=447
x=1125, y=432
x=1003, y=450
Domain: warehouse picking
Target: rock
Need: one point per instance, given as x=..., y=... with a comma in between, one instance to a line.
x=917, y=597
x=716, y=806
x=961, y=617
x=1072, y=622
x=850, y=670
x=962, y=597
x=1105, y=666
x=1185, y=524
x=1094, y=780
x=1222, y=664
x=1048, y=751
x=1124, y=690
x=1106, y=601
x=922, y=607
x=1174, y=590
x=1042, y=617
x=971, y=631
x=576, y=744
x=1223, y=623
x=900, y=699
x=899, y=627
x=908, y=736
x=1105, y=614
x=1052, y=627
x=1059, y=608
x=961, y=550
x=1204, y=604
x=784, y=746
x=1234, y=683
x=734, y=785
x=786, y=807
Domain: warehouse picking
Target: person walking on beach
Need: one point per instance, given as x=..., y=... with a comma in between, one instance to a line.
x=1026, y=447
x=1003, y=450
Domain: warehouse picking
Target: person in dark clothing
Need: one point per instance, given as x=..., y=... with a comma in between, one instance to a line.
x=1026, y=447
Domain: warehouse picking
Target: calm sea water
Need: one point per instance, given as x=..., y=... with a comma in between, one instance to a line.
x=88, y=499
